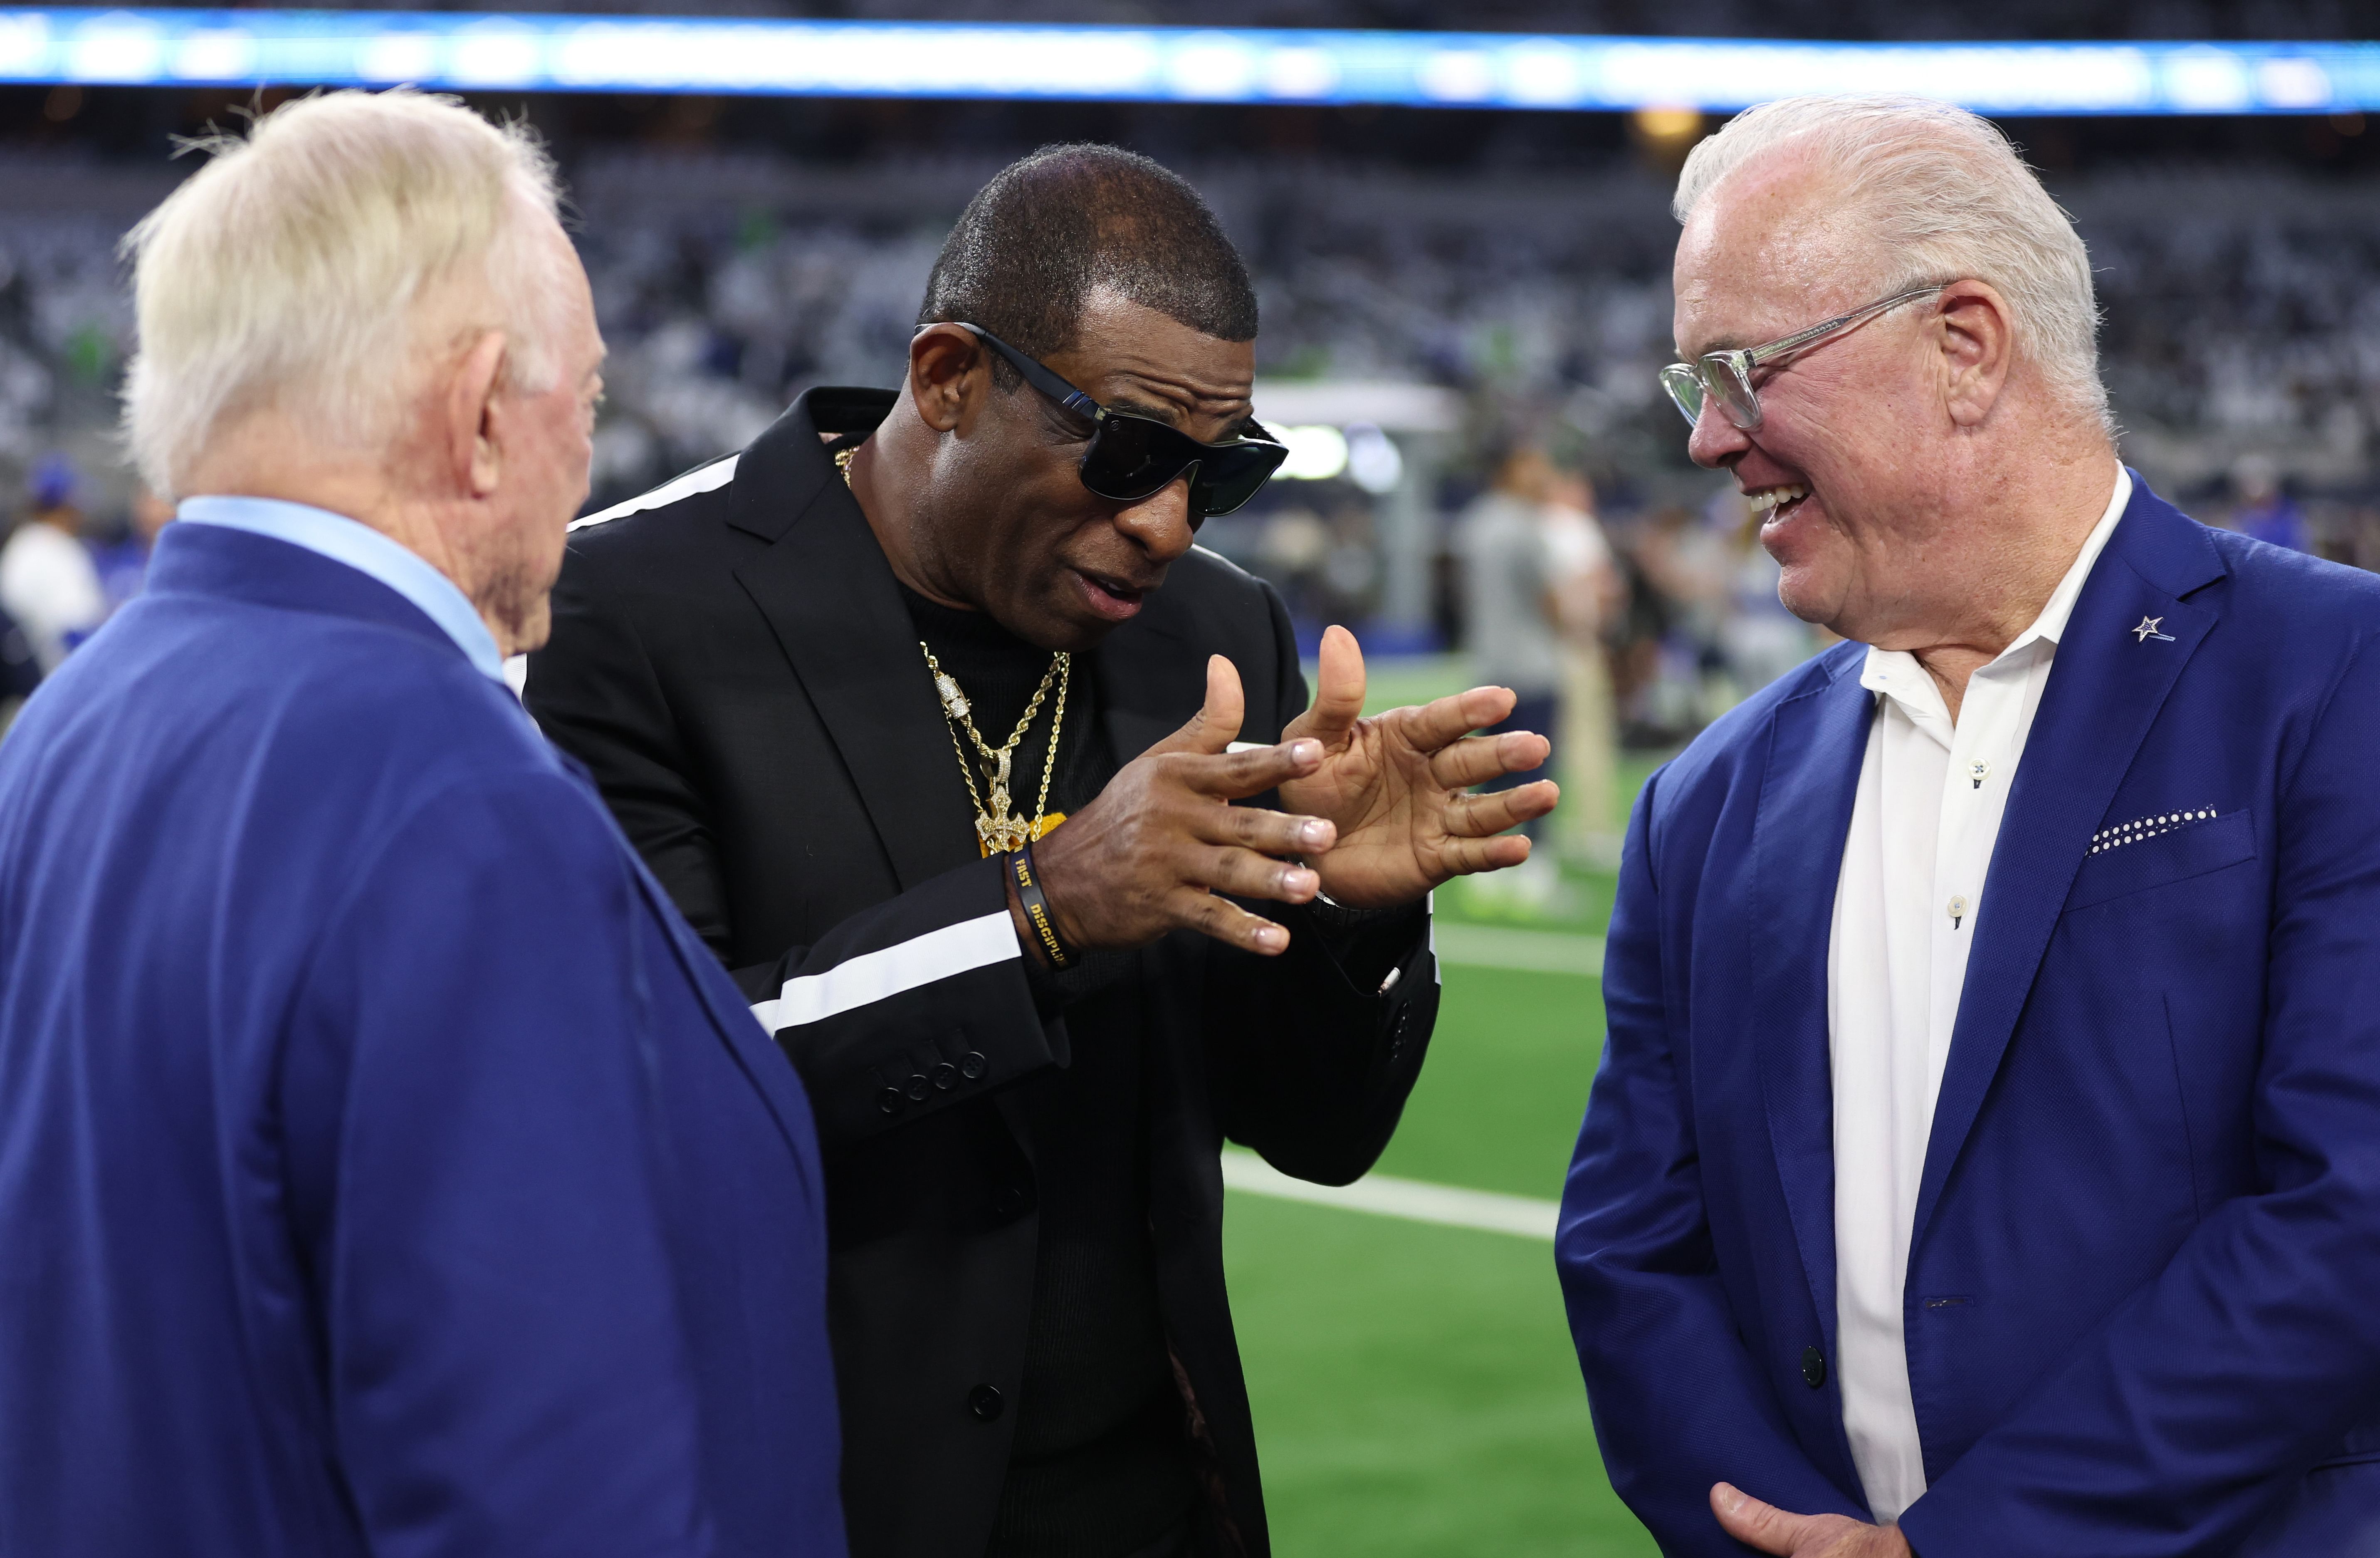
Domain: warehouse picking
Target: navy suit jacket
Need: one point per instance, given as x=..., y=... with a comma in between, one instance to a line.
x=383, y=1165
x=2141, y=1309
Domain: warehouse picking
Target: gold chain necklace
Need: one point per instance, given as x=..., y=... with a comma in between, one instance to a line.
x=996, y=829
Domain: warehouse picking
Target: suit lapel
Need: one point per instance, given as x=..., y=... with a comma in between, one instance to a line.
x=2104, y=690
x=830, y=599
x=1816, y=744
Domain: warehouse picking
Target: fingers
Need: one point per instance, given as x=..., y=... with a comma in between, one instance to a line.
x=1339, y=689
x=1242, y=873
x=1475, y=759
x=1748, y=1520
x=1217, y=721
x=1468, y=857
x=1250, y=773
x=1478, y=816
x=1228, y=923
x=1267, y=832
x=1239, y=861
x=1443, y=720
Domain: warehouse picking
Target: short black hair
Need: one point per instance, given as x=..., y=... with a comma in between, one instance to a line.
x=1033, y=242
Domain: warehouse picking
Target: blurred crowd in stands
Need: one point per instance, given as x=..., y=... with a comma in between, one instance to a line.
x=1856, y=19
x=2243, y=346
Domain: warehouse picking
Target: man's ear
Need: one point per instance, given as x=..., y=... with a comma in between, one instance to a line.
x=474, y=422
x=948, y=372
x=1978, y=341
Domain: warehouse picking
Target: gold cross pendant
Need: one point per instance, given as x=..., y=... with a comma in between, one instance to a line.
x=999, y=835
x=1012, y=833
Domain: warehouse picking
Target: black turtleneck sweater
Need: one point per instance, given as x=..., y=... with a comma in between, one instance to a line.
x=1101, y=1464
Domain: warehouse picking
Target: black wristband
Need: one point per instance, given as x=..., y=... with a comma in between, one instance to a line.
x=1026, y=879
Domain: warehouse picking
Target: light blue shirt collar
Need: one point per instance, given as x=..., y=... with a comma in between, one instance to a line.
x=368, y=551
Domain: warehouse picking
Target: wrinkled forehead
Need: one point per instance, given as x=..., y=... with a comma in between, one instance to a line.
x=1129, y=357
x=1773, y=248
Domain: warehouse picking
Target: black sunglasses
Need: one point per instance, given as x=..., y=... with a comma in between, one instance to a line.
x=1131, y=457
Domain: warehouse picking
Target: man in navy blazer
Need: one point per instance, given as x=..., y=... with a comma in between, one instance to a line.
x=384, y=1167
x=1986, y=1155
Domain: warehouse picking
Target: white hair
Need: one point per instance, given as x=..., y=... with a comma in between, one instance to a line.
x=305, y=267
x=1947, y=198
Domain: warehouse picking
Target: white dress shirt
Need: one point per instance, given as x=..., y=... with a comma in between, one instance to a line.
x=1928, y=814
x=368, y=551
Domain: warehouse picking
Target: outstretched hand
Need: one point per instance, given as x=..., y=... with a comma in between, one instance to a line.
x=1771, y=1530
x=1158, y=847
x=1398, y=785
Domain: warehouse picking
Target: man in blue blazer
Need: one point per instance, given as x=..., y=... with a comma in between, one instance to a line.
x=1985, y=1155
x=384, y=1167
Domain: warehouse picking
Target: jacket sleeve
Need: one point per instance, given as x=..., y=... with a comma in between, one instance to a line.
x=1317, y=1049
x=2171, y=1429
x=483, y=1193
x=903, y=1010
x=1679, y=1402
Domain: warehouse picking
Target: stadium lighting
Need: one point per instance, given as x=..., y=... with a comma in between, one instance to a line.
x=1318, y=453
x=797, y=58
x=1374, y=461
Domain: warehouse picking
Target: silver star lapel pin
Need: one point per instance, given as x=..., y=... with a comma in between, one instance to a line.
x=2148, y=630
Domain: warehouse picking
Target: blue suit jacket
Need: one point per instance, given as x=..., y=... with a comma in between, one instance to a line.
x=2140, y=1308
x=383, y=1166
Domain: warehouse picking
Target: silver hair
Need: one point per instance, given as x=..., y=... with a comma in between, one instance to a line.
x=1947, y=198
x=302, y=267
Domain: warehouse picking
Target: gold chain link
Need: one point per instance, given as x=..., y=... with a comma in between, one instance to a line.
x=990, y=828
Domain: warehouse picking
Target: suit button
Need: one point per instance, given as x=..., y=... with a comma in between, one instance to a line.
x=917, y=1088
x=984, y=1401
x=889, y=1100
x=1814, y=1368
x=945, y=1075
x=1009, y=1202
x=972, y=1065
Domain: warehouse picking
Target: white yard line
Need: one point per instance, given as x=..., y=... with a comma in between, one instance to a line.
x=1532, y=951
x=1408, y=1198
x=1478, y=946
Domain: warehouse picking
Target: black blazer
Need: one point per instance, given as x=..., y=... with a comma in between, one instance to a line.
x=731, y=659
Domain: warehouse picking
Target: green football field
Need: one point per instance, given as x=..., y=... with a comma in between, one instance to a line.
x=1413, y=1386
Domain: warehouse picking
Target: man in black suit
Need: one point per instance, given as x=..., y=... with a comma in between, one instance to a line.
x=875, y=658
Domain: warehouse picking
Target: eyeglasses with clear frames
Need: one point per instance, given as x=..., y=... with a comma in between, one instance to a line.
x=1726, y=376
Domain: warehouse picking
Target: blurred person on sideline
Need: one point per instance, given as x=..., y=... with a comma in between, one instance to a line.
x=122, y=558
x=19, y=672
x=1689, y=554
x=1511, y=574
x=47, y=581
x=1587, y=592
x=949, y=649
x=1982, y=1158
x=1639, y=629
x=1760, y=639
x=2260, y=508
x=384, y=1164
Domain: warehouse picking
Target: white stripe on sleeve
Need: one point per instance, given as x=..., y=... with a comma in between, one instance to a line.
x=701, y=479
x=879, y=976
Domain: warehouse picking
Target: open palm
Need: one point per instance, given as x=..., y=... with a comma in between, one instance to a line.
x=1398, y=785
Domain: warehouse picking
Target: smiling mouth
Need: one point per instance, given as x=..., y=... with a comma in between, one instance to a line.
x=1770, y=504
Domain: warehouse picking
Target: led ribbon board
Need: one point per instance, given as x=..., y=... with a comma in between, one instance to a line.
x=633, y=54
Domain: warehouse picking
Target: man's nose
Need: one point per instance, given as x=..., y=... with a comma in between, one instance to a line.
x=1160, y=522
x=1714, y=439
